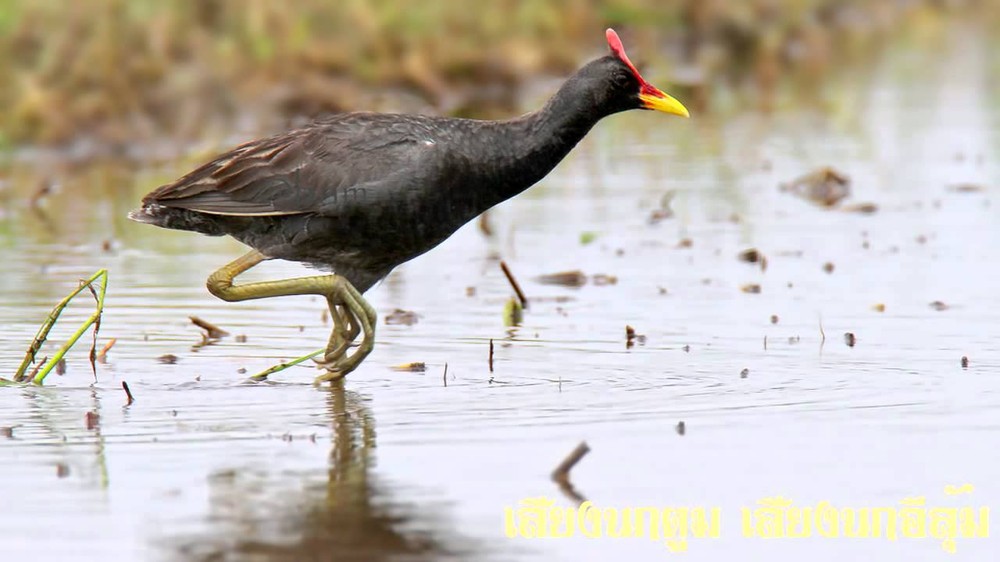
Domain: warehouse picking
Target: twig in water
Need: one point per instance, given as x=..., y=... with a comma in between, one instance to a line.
x=444, y=376
x=822, y=334
x=102, y=355
x=92, y=356
x=34, y=371
x=491, y=355
x=513, y=283
x=213, y=332
x=561, y=474
x=38, y=376
x=128, y=393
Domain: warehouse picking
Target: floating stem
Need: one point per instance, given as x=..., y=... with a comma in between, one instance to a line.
x=281, y=367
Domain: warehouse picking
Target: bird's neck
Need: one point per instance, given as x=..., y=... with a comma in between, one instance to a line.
x=527, y=148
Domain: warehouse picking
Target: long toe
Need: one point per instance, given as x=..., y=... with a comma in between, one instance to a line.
x=335, y=362
x=330, y=376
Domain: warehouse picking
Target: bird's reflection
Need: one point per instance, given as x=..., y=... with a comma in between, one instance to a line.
x=345, y=517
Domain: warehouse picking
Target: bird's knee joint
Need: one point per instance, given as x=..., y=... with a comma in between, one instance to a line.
x=220, y=287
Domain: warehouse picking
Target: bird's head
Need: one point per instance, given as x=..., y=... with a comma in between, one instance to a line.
x=618, y=86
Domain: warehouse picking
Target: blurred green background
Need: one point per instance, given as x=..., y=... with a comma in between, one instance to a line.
x=113, y=72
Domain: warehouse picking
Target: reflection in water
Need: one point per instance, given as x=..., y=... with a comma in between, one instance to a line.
x=83, y=446
x=865, y=425
x=349, y=516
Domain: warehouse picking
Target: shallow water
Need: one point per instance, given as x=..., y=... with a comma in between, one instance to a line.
x=407, y=465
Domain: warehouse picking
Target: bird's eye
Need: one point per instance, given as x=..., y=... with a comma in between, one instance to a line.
x=621, y=80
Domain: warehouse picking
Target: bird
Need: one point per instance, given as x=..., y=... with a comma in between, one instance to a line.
x=354, y=195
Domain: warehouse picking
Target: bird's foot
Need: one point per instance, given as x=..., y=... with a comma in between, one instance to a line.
x=352, y=316
x=331, y=375
x=338, y=363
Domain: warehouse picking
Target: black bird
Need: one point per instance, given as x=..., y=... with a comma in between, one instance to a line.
x=357, y=194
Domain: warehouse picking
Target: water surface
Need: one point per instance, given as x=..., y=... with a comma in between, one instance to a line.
x=401, y=465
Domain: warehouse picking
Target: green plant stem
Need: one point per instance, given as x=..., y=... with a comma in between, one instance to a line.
x=43, y=331
x=281, y=367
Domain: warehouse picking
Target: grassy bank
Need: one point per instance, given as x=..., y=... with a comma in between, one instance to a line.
x=120, y=71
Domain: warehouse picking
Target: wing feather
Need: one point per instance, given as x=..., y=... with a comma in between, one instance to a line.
x=301, y=171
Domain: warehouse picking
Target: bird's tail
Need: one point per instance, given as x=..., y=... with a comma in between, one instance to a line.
x=179, y=219
x=145, y=215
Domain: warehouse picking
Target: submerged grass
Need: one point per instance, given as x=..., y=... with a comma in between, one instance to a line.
x=37, y=376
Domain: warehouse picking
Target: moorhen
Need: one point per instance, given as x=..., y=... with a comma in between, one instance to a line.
x=357, y=194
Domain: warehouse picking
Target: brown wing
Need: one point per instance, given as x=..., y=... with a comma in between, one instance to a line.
x=301, y=171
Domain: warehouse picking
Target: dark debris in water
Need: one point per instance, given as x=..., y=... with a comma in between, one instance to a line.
x=664, y=212
x=491, y=355
x=561, y=473
x=34, y=371
x=602, y=279
x=575, y=278
x=102, y=355
x=7, y=432
x=62, y=470
x=523, y=300
x=212, y=331
x=965, y=362
x=681, y=428
x=168, y=359
x=128, y=394
x=632, y=338
x=660, y=215
x=860, y=208
x=750, y=255
x=744, y=373
x=828, y=267
x=939, y=306
x=825, y=187
x=850, y=339
x=967, y=188
x=753, y=255
x=109, y=245
x=416, y=367
x=751, y=288
x=92, y=420
x=401, y=317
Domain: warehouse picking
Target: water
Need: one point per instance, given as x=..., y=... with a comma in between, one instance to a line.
x=400, y=465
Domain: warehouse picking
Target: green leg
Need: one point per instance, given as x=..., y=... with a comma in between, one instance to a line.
x=365, y=321
x=345, y=331
x=351, y=314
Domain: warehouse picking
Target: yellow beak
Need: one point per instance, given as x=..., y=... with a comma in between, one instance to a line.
x=659, y=101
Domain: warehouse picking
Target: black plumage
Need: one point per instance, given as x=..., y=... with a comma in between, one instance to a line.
x=358, y=194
